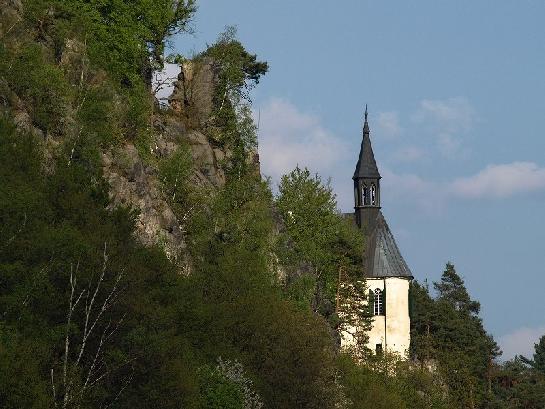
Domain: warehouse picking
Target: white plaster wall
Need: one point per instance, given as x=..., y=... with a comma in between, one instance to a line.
x=392, y=330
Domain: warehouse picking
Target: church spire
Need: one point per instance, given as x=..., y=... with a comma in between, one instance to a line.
x=366, y=183
x=367, y=165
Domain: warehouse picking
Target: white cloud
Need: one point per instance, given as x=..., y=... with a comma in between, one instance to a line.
x=388, y=124
x=452, y=114
x=448, y=120
x=499, y=181
x=493, y=182
x=289, y=137
x=409, y=154
x=448, y=145
x=411, y=189
x=520, y=342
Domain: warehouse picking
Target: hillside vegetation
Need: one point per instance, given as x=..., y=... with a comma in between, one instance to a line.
x=144, y=262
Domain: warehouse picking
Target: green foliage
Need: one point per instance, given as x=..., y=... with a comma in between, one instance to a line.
x=219, y=392
x=241, y=312
x=308, y=208
x=122, y=36
x=21, y=384
x=237, y=72
x=175, y=172
x=539, y=355
x=515, y=385
x=538, y=361
x=226, y=386
x=41, y=85
x=318, y=241
x=81, y=70
x=452, y=291
x=387, y=382
x=448, y=330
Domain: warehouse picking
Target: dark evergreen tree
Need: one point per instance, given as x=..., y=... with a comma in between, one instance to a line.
x=451, y=289
x=538, y=361
x=448, y=330
x=423, y=323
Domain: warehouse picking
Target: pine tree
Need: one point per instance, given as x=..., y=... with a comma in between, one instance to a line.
x=452, y=290
x=447, y=329
x=539, y=355
x=538, y=363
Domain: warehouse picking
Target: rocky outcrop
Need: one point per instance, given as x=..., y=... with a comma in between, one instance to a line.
x=134, y=181
x=135, y=184
x=193, y=95
x=131, y=171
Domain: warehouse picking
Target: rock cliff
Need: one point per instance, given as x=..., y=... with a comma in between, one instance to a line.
x=134, y=180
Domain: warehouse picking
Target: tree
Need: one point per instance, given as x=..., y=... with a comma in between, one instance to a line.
x=323, y=254
x=423, y=325
x=518, y=386
x=538, y=361
x=314, y=241
x=539, y=355
x=447, y=329
x=237, y=73
x=451, y=289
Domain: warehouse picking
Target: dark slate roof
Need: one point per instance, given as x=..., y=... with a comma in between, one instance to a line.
x=382, y=257
x=366, y=166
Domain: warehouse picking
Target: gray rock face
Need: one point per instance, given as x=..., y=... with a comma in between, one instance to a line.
x=193, y=95
x=135, y=184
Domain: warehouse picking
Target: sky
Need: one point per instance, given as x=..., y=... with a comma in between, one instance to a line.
x=456, y=96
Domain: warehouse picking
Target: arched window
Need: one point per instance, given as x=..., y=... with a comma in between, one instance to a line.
x=373, y=194
x=378, y=304
x=365, y=194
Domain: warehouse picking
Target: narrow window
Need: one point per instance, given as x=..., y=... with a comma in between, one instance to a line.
x=373, y=194
x=378, y=306
x=365, y=195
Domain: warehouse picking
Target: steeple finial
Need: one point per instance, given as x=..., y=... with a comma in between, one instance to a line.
x=366, y=124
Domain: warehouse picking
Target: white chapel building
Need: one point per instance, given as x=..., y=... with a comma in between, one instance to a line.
x=387, y=274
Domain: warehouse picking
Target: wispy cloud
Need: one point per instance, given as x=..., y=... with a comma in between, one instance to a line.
x=448, y=120
x=452, y=114
x=387, y=124
x=289, y=137
x=409, y=154
x=499, y=181
x=493, y=182
x=411, y=189
x=520, y=342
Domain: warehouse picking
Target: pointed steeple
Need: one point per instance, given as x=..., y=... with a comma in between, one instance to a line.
x=382, y=257
x=367, y=165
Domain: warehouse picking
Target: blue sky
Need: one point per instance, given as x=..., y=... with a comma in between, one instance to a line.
x=456, y=94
